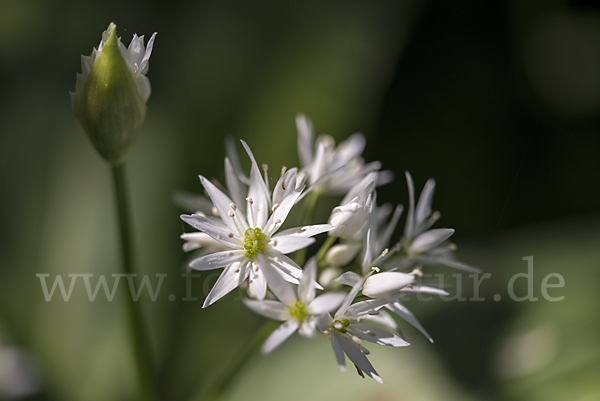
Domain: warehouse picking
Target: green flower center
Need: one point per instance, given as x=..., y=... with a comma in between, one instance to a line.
x=298, y=311
x=254, y=241
x=340, y=325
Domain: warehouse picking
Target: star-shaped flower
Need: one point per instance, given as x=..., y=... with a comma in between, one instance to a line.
x=251, y=238
x=346, y=332
x=298, y=310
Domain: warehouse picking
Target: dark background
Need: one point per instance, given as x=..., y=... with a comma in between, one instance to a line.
x=499, y=101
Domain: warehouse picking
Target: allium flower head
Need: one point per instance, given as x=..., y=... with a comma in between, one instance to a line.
x=254, y=248
x=111, y=93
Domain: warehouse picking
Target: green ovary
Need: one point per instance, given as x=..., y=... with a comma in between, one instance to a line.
x=254, y=241
x=298, y=311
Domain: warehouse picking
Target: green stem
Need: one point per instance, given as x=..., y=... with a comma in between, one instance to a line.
x=141, y=347
x=309, y=212
x=324, y=248
x=217, y=387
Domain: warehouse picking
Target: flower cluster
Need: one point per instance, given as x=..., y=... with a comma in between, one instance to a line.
x=361, y=278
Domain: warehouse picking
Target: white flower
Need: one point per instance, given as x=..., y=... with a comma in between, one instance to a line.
x=346, y=331
x=299, y=311
x=335, y=169
x=421, y=244
x=252, y=244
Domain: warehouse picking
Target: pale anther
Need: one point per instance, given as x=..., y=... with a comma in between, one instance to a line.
x=385, y=252
x=231, y=205
x=231, y=214
x=265, y=167
x=369, y=332
x=249, y=200
x=230, y=234
x=275, y=206
x=277, y=221
x=375, y=269
x=356, y=340
x=283, y=170
x=215, y=211
x=274, y=242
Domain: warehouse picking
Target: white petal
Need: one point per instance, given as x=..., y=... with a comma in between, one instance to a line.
x=307, y=290
x=305, y=139
x=342, y=254
x=448, y=262
x=376, y=335
x=307, y=328
x=348, y=278
x=337, y=350
x=217, y=259
x=218, y=231
x=258, y=283
x=430, y=239
x=231, y=277
x=362, y=308
x=259, y=193
x=351, y=148
x=424, y=290
x=281, y=213
x=233, y=157
x=289, y=244
x=285, y=185
x=360, y=360
x=410, y=218
x=384, y=239
x=279, y=335
x=306, y=231
x=144, y=64
x=269, y=309
x=326, y=302
x=366, y=184
x=222, y=203
x=349, y=298
x=407, y=315
x=200, y=240
x=424, y=205
x=277, y=284
x=382, y=318
x=234, y=186
x=386, y=283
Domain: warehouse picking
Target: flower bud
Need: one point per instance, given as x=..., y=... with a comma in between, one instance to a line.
x=380, y=285
x=111, y=94
x=342, y=254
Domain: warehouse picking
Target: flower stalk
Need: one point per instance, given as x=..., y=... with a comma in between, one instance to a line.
x=141, y=347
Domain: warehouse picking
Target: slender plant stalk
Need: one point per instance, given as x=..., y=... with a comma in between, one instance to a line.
x=140, y=342
x=324, y=248
x=217, y=387
x=309, y=213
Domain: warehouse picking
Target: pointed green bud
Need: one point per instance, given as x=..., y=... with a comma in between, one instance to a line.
x=111, y=94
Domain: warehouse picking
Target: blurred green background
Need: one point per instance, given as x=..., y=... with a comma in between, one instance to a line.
x=499, y=101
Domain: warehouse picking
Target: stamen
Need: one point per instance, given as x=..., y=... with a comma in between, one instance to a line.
x=356, y=340
x=265, y=167
x=215, y=211
x=452, y=246
x=385, y=252
x=277, y=221
x=230, y=234
x=274, y=242
x=249, y=200
x=231, y=214
x=417, y=272
x=199, y=213
x=275, y=206
x=283, y=170
x=283, y=185
x=232, y=206
x=375, y=269
x=369, y=332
